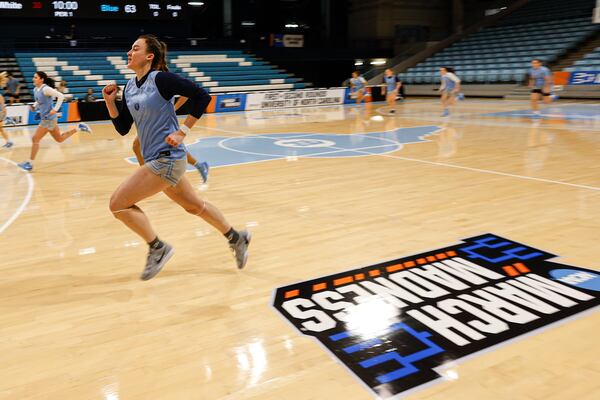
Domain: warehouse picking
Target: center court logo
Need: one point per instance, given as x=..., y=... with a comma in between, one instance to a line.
x=305, y=143
x=398, y=324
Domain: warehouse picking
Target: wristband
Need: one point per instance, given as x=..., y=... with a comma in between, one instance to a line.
x=185, y=129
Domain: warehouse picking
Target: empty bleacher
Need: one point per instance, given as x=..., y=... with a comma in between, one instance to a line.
x=216, y=71
x=590, y=61
x=544, y=29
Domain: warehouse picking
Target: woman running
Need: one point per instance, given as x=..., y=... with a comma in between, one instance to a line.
x=3, y=80
x=390, y=88
x=202, y=167
x=44, y=93
x=540, y=83
x=449, y=88
x=147, y=102
x=358, y=86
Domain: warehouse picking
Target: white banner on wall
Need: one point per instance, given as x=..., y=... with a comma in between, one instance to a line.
x=281, y=40
x=297, y=115
x=296, y=98
x=19, y=114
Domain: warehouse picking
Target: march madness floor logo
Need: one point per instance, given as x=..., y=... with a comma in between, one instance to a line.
x=396, y=324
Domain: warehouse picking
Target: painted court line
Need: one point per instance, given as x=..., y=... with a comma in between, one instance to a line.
x=26, y=200
x=488, y=171
x=491, y=122
x=333, y=150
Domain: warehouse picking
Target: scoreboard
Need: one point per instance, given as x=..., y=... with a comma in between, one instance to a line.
x=119, y=9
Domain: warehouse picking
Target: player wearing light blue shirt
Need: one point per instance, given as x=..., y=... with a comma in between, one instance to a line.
x=540, y=82
x=3, y=81
x=358, y=86
x=450, y=86
x=44, y=94
x=390, y=88
x=147, y=102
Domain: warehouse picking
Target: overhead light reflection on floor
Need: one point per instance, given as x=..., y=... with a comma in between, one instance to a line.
x=208, y=373
x=87, y=250
x=448, y=371
x=253, y=359
x=370, y=318
x=111, y=392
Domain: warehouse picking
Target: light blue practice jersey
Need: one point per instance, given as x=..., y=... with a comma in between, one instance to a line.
x=390, y=82
x=44, y=103
x=538, y=75
x=154, y=118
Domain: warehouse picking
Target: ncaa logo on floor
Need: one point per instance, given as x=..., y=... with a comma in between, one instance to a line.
x=399, y=324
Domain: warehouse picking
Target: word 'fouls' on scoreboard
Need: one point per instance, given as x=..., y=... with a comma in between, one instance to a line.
x=94, y=9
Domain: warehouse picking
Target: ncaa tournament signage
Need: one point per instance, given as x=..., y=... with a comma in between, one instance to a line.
x=294, y=98
x=584, y=78
x=230, y=102
x=396, y=324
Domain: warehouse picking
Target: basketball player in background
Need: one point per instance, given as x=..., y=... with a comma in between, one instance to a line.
x=540, y=82
x=450, y=86
x=391, y=88
x=3, y=80
x=44, y=93
x=358, y=86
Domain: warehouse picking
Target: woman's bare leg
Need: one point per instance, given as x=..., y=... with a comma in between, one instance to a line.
x=184, y=195
x=142, y=184
x=40, y=132
x=61, y=137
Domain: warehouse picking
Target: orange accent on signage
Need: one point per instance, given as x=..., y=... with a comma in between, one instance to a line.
x=421, y=261
x=374, y=272
x=73, y=113
x=510, y=270
x=343, y=281
x=359, y=277
x=292, y=293
x=561, y=78
x=319, y=286
x=212, y=105
x=409, y=264
x=393, y=268
x=451, y=253
x=441, y=256
x=522, y=268
x=431, y=258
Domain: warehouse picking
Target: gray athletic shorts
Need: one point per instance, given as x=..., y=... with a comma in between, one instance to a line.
x=168, y=169
x=49, y=124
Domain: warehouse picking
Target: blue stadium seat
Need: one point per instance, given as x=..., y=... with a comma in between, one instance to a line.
x=217, y=71
x=544, y=29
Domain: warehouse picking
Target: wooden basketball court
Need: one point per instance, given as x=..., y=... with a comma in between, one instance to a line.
x=323, y=190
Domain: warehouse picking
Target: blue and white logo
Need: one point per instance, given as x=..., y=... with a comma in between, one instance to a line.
x=581, y=279
x=222, y=151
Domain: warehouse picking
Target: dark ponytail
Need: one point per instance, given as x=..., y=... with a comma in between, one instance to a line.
x=159, y=49
x=450, y=69
x=46, y=79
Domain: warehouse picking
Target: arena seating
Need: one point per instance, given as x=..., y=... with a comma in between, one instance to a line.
x=544, y=29
x=216, y=71
x=590, y=61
